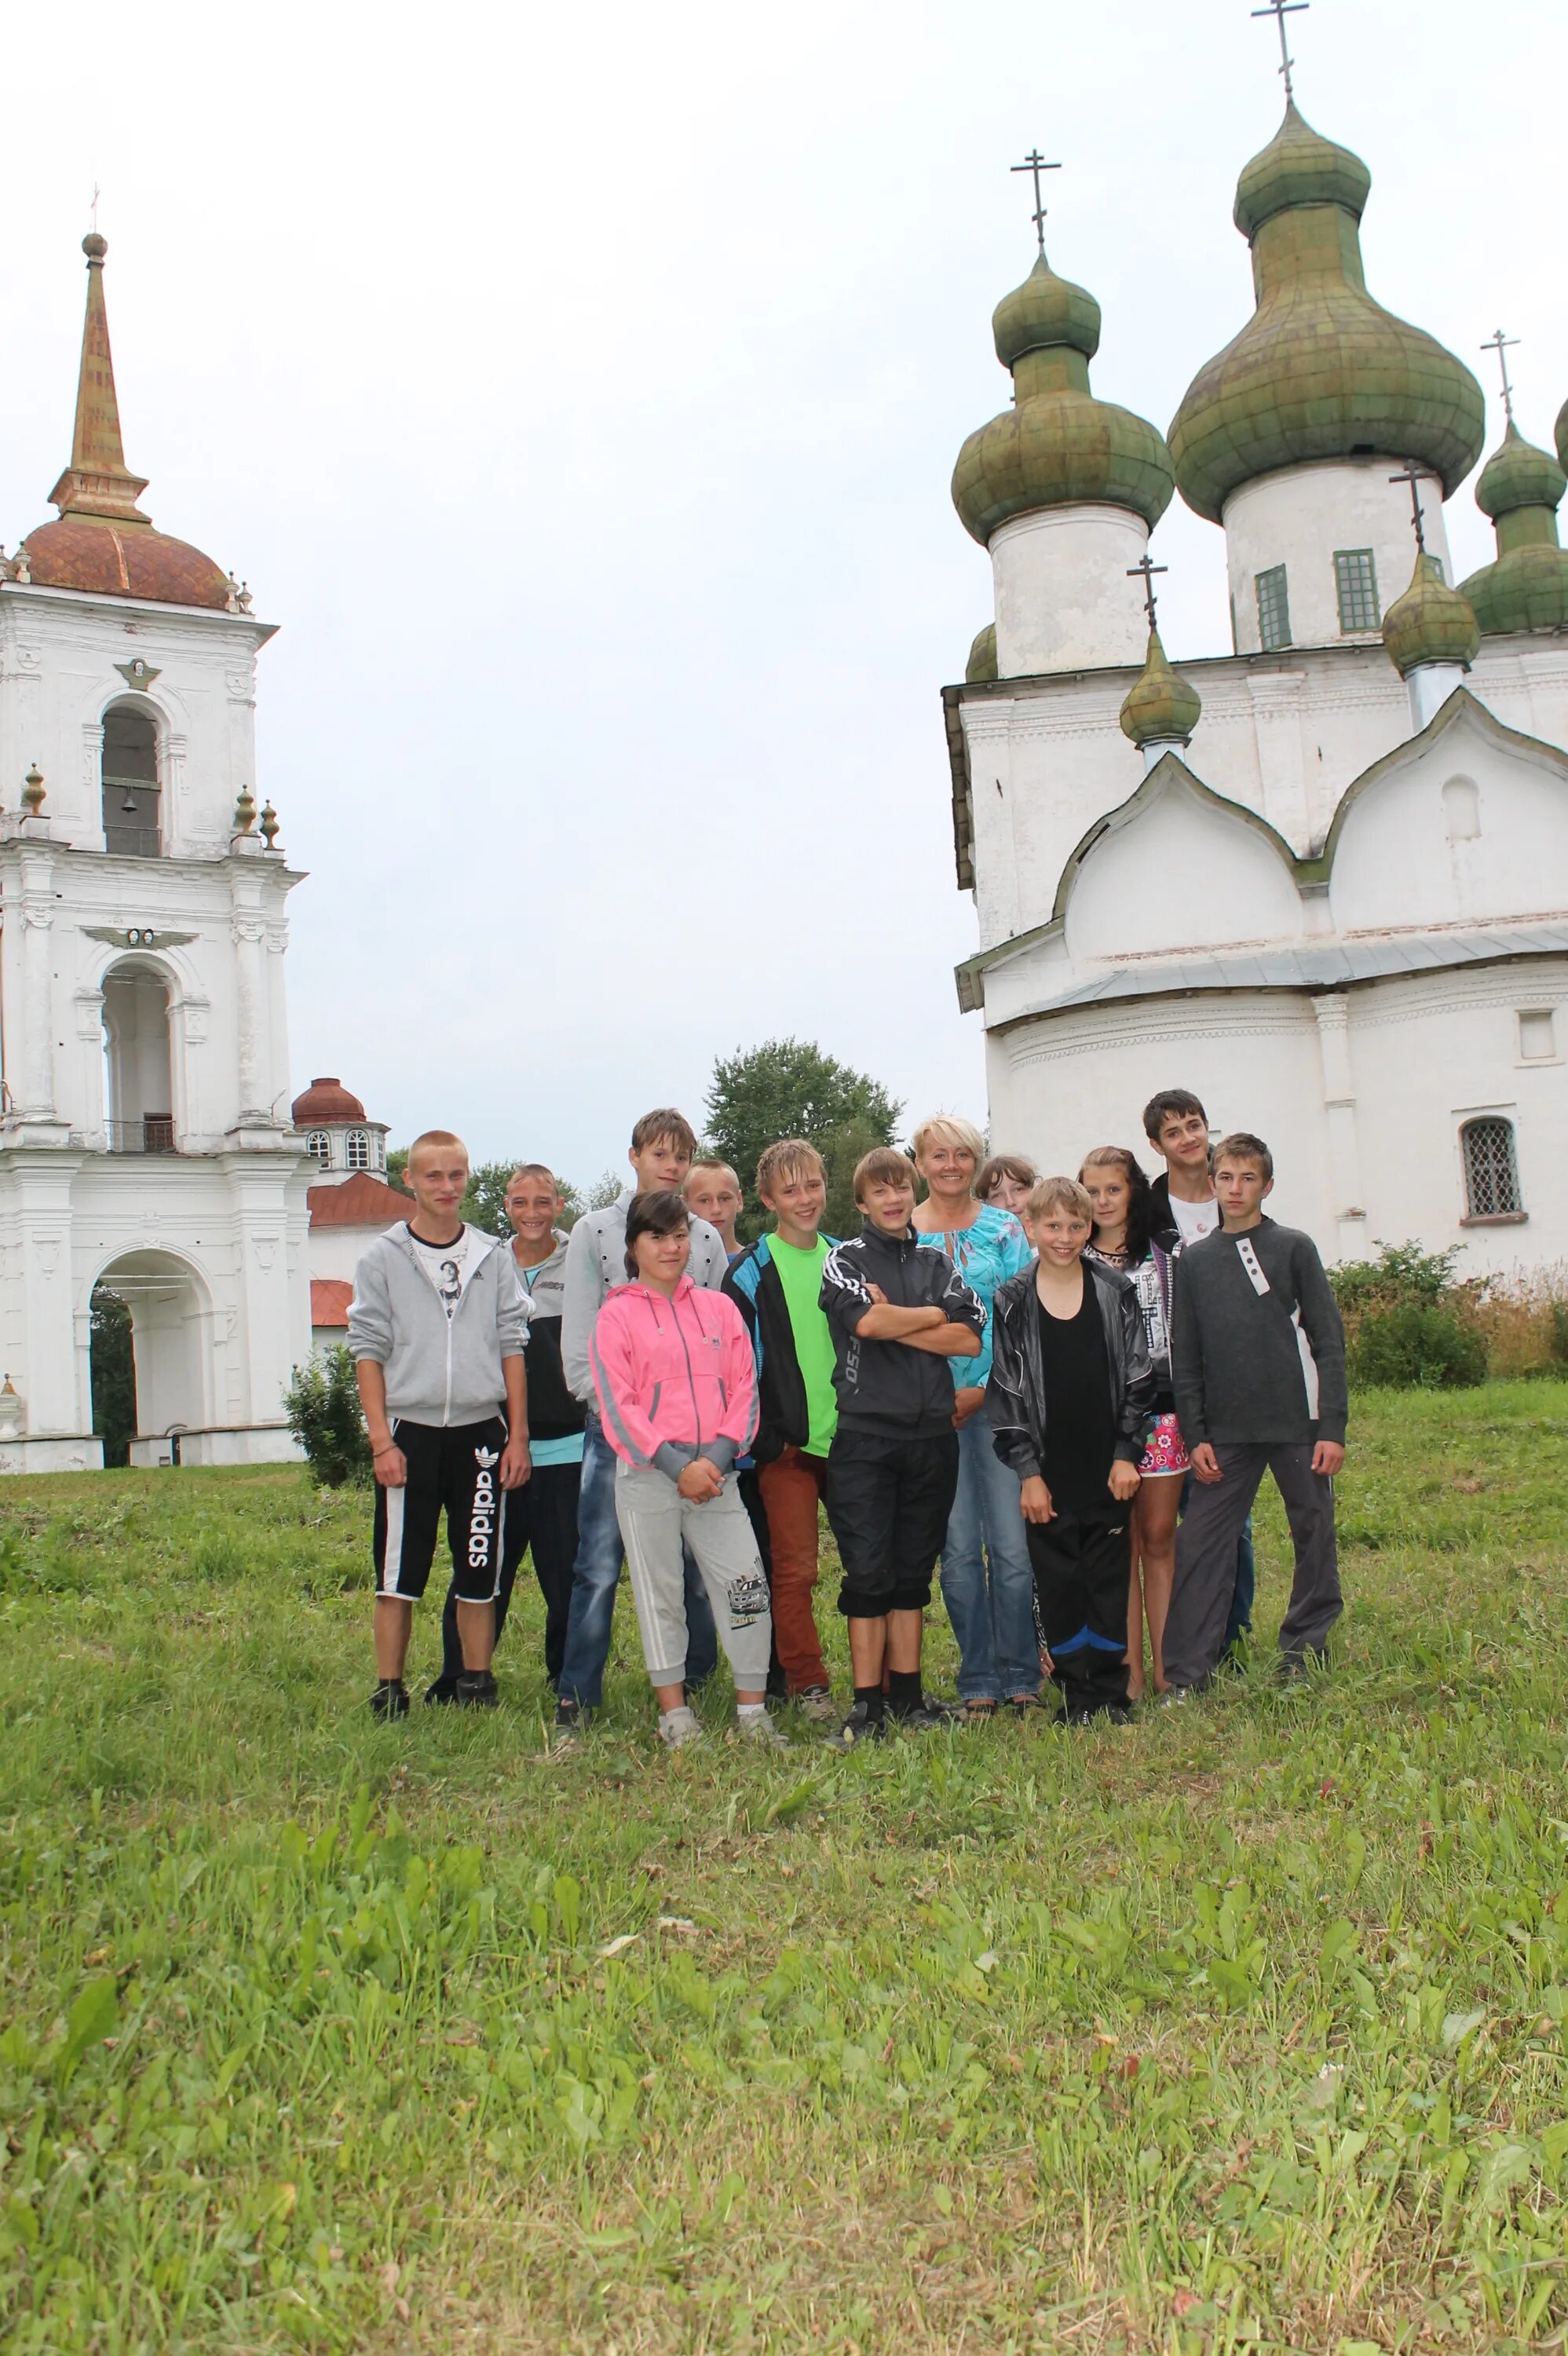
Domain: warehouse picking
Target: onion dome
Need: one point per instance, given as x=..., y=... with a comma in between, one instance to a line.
x=102, y=540
x=1161, y=709
x=1320, y=370
x=323, y=1102
x=1560, y=434
x=1526, y=587
x=1431, y=623
x=1058, y=446
x=982, y=662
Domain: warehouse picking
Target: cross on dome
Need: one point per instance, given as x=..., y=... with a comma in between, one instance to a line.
x=1035, y=163
x=1502, y=344
x=1414, y=474
x=1144, y=570
x=1279, y=10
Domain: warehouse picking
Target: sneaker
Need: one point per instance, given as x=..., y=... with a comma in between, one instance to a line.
x=571, y=1724
x=932, y=1707
x=391, y=1700
x=476, y=1689
x=1298, y=1668
x=927, y=1719
x=816, y=1704
x=1118, y=1713
x=443, y=1691
x=682, y=1727
x=1174, y=1696
x=763, y=1732
x=858, y=1728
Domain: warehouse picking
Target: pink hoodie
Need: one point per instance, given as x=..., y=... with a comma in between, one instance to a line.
x=676, y=1378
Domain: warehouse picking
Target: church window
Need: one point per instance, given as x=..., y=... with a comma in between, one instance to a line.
x=1356, y=579
x=130, y=779
x=318, y=1145
x=1537, y=1035
x=359, y=1150
x=1461, y=810
x=1491, y=1172
x=1273, y=610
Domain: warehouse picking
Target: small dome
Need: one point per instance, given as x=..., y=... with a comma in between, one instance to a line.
x=1560, y=434
x=982, y=662
x=1161, y=708
x=1043, y=311
x=1320, y=370
x=323, y=1102
x=117, y=560
x=1517, y=475
x=1431, y=623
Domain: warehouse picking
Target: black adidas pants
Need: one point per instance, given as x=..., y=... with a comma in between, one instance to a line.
x=540, y=1515
x=453, y=1469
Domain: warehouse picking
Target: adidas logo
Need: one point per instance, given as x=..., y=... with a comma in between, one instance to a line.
x=486, y=1456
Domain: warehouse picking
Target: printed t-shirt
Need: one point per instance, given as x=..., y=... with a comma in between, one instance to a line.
x=1194, y=1220
x=800, y=1273
x=1080, y=1443
x=448, y=1266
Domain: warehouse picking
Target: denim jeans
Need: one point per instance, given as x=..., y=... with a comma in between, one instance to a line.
x=595, y=1576
x=988, y=1583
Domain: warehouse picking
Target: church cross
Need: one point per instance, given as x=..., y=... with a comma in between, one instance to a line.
x=1144, y=570
x=1502, y=344
x=1414, y=475
x=97, y=192
x=1279, y=10
x=1035, y=162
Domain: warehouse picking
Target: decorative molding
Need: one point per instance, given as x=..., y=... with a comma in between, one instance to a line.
x=138, y=672
x=246, y=928
x=137, y=936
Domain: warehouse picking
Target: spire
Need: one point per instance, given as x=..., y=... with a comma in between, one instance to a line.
x=98, y=486
x=1161, y=710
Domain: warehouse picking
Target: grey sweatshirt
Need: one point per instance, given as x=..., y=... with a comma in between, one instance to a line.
x=440, y=1370
x=1257, y=1350
x=596, y=1263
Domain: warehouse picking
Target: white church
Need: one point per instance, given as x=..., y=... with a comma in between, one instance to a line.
x=1320, y=879
x=148, y=1141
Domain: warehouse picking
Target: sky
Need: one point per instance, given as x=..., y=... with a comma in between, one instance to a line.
x=578, y=392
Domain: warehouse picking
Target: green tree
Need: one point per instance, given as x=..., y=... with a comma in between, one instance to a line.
x=321, y=1404
x=789, y=1087
x=113, y=1364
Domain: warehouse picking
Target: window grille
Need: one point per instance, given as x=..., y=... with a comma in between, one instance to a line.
x=1273, y=610
x=359, y=1150
x=1491, y=1173
x=318, y=1145
x=1356, y=579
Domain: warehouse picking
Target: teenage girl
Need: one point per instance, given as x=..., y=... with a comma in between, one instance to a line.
x=1119, y=1193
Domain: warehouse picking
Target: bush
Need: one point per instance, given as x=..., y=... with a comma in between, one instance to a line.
x=1401, y=1275
x=322, y=1408
x=1414, y=1347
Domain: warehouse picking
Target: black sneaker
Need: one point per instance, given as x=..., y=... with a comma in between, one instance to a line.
x=443, y=1693
x=571, y=1724
x=476, y=1689
x=927, y=1718
x=391, y=1700
x=860, y=1725
x=1117, y=1713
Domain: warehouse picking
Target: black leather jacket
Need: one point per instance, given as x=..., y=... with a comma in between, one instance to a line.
x=1015, y=1397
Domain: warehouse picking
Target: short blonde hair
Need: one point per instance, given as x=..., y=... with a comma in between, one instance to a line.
x=711, y=1162
x=436, y=1137
x=947, y=1128
x=787, y=1163
x=1060, y=1194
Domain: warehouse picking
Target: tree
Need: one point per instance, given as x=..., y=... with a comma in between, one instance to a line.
x=113, y=1364
x=789, y=1087
x=322, y=1408
x=484, y=1204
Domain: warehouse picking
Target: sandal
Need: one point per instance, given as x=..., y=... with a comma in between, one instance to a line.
x=976, y=1711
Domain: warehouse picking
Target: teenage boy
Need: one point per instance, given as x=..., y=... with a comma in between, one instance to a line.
x=543, y=1516
x=437, y=1330
x=1069, y=1401
x=712, y=1192
x=898, y=1312
x=663, y=1144
x=1258, y=1368
x=777, y=1287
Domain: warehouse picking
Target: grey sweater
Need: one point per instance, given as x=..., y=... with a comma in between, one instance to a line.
x=596, y=1263
x=1257, y=1350
x=440, y=1369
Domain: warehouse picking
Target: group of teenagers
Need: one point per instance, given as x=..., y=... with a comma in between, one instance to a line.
x=1060, y=1393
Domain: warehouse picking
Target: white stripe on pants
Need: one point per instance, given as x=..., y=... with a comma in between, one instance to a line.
x=654, y=1519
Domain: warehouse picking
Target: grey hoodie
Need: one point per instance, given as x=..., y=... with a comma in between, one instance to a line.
x=596, y=1263
x=440, y=1370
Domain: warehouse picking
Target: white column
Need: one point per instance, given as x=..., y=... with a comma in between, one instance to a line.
x=1333, y=1015
x=249, y=937
x=37, y=1024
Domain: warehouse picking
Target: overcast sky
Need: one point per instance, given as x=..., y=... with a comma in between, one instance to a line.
x=579, y=390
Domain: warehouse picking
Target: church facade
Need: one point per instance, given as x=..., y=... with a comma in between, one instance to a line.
x=1322, y=879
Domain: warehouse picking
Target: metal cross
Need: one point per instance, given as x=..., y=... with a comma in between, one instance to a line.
x=97, y=192
x=1414, y=475
x=1279, y=10
x=1035, y=162
x=1502, y=344
x=1144, y=570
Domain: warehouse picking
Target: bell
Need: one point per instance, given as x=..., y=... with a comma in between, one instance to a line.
x=128, y=804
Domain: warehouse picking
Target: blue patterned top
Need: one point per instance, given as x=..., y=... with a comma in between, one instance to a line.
x=985, y=1255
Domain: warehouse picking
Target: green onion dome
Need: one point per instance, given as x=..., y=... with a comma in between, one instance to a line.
x=1058, y=446
x=1161, y=708
x=1320, y=370
x=1561, y=435
x=1431, y=623
x=982, y=662
x=1526, y=587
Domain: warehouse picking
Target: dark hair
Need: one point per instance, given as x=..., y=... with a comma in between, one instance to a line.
x=664, y=1127
x=1242, y=1146
x=1159, y=1109
x=1136, y=1177
x=1003, y=1165
x=659, y=1212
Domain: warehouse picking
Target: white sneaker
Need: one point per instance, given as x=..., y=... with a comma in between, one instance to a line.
x=818, y=1704
x=681, y=1727
x=761, y=1731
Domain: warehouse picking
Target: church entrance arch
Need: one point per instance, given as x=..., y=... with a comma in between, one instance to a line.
x=170, y=1310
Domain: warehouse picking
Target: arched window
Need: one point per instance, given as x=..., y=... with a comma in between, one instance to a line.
x=359, y=1149
x=140, y=1117
x=132, y=827
x=318, y=1145
x=1461, y=810
x=1491, y=1170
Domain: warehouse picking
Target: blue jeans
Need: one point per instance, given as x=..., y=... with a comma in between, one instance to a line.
x=596, y=1574
x=988, y=1584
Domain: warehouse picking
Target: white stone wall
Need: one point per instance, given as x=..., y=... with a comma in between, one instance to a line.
x=1063, y=600
x=1299, y=516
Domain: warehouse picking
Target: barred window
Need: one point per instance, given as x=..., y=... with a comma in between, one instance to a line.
x=1356, y=579
x=1274, y=609
x=359, y=1150
x=1491, y=1173
x=318, y=1145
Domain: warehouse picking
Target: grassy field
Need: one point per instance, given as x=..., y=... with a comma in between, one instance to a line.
x=1243, y=2030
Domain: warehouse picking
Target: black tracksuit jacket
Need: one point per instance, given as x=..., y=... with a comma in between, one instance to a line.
x=885, y=1386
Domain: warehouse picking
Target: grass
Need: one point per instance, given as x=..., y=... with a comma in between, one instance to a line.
x=1239, y=2030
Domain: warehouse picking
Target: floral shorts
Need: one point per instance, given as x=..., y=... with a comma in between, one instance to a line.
x=1163, y=1451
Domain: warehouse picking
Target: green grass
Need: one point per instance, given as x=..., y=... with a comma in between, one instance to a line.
x=1243, y=2030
